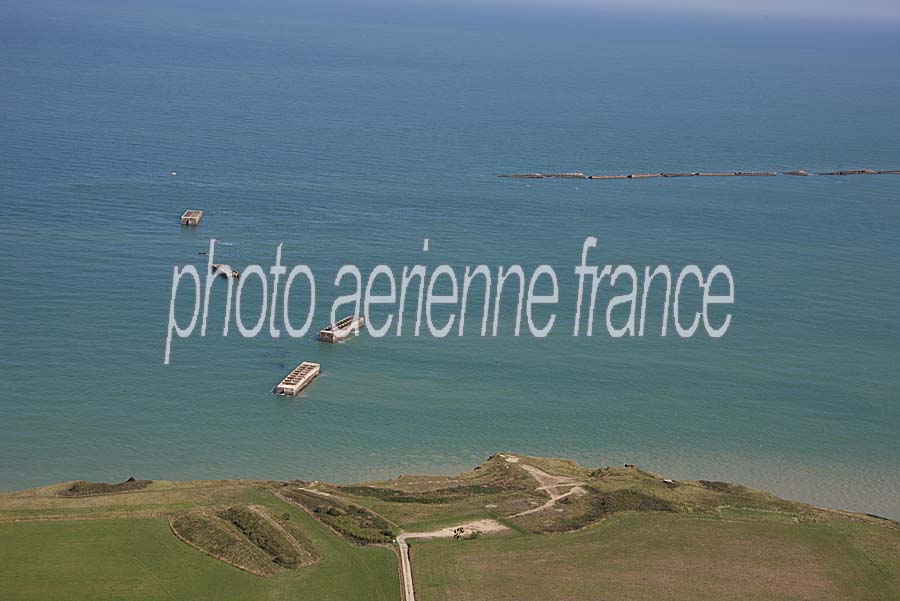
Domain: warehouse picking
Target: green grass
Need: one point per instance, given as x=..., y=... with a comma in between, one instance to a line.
x=273, y=538
x=140, y=559
x=496, y=489
x=630, y=535
x=652, y=556
x=556, y=466
x=83, y=488
x=159, y=498
x=440, y=496
x=351, y=520
x=576, y=512
x=216, y=537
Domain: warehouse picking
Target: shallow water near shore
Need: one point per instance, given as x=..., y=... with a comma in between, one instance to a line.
x=352, y=144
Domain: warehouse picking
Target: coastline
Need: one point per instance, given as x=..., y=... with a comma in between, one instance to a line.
x=496, y=526
x=787, y=479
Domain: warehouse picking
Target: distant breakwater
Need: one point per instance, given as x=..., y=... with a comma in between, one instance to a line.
x=799, y=173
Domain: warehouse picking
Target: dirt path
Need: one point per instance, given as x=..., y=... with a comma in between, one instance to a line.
x=481, y=527
x=575, y=491
x=552, y=485
x=314, y=491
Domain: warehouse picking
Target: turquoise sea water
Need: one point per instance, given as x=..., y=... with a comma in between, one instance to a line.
x=352, y=143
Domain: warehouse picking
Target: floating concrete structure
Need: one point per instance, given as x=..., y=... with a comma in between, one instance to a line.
x=573, y=175
x=342, y=328
x=191, y=217
x=851, y=172
x=798, y=172
x=299, y=378
x=224, y=270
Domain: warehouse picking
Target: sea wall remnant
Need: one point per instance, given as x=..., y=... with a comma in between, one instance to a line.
x=797, y=172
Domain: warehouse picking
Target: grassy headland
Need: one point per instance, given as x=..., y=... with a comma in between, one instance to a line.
x=573, y=533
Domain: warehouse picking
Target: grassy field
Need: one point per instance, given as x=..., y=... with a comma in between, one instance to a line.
x=93, y=554
x=616, y=533
x=666, y=556
x=495, y=489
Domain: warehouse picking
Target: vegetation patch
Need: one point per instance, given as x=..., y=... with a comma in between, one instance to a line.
x=705, y=496
x=494, y=476
x=577, y=511
x=442, y=495
x=268, y=535
x=628, y=500
x=646, y=538
x=83, y=488
x=353, y=521
x=80, y=558
x=218, y=538
x=557, y=467
x=494, y=489
x=245, y=537
x=724, y=487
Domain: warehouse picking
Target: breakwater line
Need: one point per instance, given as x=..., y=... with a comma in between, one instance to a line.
x=796, y=173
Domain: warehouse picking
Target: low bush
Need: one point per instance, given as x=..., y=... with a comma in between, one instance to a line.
x=85, y=489
x=214, y=536
x=442, y=495
x=353, y=521
x=263, y=534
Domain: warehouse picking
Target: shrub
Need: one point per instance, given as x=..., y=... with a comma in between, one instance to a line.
x=86, y=489
x=263, y=534
x=353, y=521
x=443, y=495
x=628, y=500
x=723, y=487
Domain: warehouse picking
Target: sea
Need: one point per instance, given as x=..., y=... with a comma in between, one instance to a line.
x=350, y=135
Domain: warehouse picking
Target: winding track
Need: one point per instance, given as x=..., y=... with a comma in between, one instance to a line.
x=548, y=483
x=552, y=485
x=406, y=581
